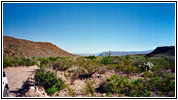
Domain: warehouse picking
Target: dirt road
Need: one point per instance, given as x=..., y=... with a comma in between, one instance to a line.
x=17, y=76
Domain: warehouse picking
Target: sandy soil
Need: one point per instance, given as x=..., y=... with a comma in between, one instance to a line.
x=17, y=76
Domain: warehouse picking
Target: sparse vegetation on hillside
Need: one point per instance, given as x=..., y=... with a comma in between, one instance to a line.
x=130, y=78
x=20, y=48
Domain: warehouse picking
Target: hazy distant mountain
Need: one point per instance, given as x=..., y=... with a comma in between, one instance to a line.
x=115, y=53
x=87, y=54
x=20, y=48
x=121, y=53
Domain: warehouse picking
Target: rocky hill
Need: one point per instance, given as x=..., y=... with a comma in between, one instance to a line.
x=163, y=51
x=19, y=47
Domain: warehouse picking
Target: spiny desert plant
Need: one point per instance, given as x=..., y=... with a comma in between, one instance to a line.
x=146, y=66
x=49, y=81
x=107, y=59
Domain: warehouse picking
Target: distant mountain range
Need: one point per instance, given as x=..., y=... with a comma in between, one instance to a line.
x=115, y=53
x=122, y=53
x=87, y=54
x=21, y=48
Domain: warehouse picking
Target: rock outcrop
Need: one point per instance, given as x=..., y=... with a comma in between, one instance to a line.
x=163, y=51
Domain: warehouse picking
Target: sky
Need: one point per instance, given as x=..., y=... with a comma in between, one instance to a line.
x=92, y=27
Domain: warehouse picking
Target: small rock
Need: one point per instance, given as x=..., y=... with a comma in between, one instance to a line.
x=104, y=94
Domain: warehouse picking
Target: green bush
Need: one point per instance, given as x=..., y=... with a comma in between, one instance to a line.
x=18, y=61
x=28, y=62
x=115, y=84
x=147, y=74
x=163, y=63
x=121, y=85
x=91, y=57
x=49, y=81
x=51, y=91
x=63, y=64
x=44, y=61
x=152, y=83
x=162, y=85
x=131, y=69
x=53, y=58
x=127, y=57
x=89, y=89
x=138, y=89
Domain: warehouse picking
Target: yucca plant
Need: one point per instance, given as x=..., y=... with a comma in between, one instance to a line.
x=107, y=59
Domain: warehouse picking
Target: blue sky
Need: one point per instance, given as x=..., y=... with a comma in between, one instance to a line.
x=92, y=27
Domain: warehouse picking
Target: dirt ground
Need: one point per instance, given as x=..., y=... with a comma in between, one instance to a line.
x=17, y=76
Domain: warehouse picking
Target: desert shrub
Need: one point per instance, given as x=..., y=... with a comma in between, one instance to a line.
x=122, y=86
x=7, y=62
x=127, y=57
x=48, y=62
x=114, y=84
x=163, y=63
x=63, y=64
x=91, y=69
x=28, y=62
x=18, y=61
x=53, y=58
x=156, y=68
x=138, y=89
x=77, y=72
x=89, y=88
x=113, y=66
x=131, y=69
x=139, y=60
x=102, y=69
x=88, y=72
x=71, y=91
x=127, y=66
x=49, y=81
x=44, y=60
x=85, y=69
x=51, y=91
x=128, y=69
x=127, y=62
x=171, y=85
x=147, y=74
x=116, y=60
x=162, y=85
x=153, y=82
x=157, y=71
x=91, y=57
x=168, y=76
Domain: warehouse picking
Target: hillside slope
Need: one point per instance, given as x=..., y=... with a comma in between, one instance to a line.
x=163, y=51
x=19, y=47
